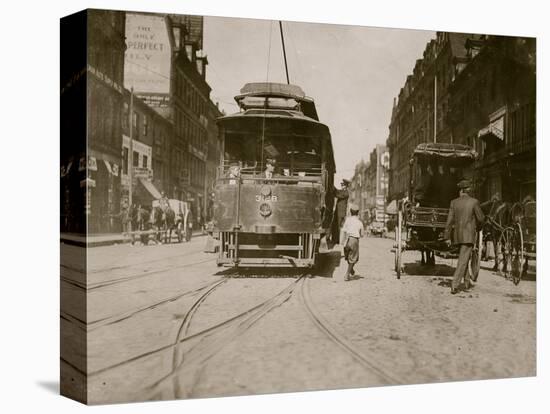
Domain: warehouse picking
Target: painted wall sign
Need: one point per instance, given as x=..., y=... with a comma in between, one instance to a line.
x=148, y=54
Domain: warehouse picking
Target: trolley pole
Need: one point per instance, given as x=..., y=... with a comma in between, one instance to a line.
x=131, y=154
x=284, y=51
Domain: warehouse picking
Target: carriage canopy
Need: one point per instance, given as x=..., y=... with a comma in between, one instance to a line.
x=445, y=151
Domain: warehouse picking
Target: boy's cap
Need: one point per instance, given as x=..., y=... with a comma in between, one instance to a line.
x=354, y=207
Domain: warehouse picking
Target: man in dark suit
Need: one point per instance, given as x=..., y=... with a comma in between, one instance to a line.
x=340, y=211
x=465, y=216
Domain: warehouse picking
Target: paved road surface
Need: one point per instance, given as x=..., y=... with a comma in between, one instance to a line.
x=165, y=322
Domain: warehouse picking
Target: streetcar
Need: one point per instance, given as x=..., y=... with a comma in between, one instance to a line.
x=274, y=189
x=435, y=169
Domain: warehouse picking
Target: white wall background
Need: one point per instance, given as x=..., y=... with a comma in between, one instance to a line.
x=29, y=209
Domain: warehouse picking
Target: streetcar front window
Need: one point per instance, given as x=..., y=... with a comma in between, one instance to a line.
x=293, y=156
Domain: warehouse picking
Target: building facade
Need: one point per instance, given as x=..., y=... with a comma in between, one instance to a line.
x=493, y=101
x=369, y=185
x=484, y=91
x=166, y=68
x=420, y=112
x=358, y=191
x=151, y=146
x=105, y=67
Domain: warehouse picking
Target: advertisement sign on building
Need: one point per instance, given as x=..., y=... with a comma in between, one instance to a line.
x=148, y=54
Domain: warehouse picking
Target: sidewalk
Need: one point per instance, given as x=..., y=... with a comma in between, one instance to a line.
x=105, y=239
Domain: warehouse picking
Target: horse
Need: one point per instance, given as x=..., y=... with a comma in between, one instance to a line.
x=157, y=220
x=164, y=221
x=169, y=223
x=140, y=221
x=495, y=228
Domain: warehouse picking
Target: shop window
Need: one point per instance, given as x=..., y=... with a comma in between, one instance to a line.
x=145, y=160
x=135, y=160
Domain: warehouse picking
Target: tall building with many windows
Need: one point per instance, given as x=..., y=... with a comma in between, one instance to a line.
x=166, y=68
x=92, y=67
x=420, y=111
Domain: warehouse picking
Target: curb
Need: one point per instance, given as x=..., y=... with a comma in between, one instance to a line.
x=81, y=241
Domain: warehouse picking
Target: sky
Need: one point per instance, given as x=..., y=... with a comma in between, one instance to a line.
x=352, y=72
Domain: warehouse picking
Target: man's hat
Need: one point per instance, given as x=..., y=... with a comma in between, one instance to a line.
x=270, y=161
x=346, y=182
x=464, y=184
x=354, y=207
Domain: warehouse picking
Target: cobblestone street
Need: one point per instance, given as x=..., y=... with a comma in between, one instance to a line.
x=164, y=322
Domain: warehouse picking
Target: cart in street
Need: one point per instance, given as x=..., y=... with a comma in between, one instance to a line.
x=435, y=169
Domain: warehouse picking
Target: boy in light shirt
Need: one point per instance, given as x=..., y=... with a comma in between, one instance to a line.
x=353, y=230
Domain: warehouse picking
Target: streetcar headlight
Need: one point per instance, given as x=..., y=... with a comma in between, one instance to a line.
x=265, y=210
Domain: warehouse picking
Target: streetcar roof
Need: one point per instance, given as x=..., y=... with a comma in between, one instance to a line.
x=445, y=150
x=272, y=89
x=278, y=90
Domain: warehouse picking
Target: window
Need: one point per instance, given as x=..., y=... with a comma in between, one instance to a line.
x=125, y=113
x=135, y=123
x=144, y=161
x=189, y=51
x=177, y=36
x=145, y=126
x=125, y=160
x=135, y=160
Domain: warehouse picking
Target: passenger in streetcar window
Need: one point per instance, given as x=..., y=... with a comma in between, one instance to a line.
x=233, y=172
x=269, y=168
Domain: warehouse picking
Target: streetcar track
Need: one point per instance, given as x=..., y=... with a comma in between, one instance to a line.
x=110, y=269
x=366, y=361
x=98, y=285
x=189, y=337
x=184, y=329
x=206, y=352
x=110, y=320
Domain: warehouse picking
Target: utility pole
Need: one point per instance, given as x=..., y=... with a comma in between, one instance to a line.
x=131, y=153
x=435, y=108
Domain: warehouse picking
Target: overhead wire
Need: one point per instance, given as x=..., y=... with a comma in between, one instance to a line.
x=265, y=104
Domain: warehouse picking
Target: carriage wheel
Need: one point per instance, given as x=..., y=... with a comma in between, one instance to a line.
x=518, y=260
x=505, y=254
x=398, y=246
x=475, y=259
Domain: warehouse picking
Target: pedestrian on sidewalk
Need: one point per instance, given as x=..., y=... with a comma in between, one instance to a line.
x=465, y=217
x=353, y=230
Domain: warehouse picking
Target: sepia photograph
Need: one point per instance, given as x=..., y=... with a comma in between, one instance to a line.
x=255, y=206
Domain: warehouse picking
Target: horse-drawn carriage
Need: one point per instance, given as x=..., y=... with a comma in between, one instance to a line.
x=160, y=220
x=173, y=217
x=434, y=172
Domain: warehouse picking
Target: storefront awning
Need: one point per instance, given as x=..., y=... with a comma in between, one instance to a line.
x=150, y=187
x=495, y=128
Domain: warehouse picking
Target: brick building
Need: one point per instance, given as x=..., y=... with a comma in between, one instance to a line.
x=92, y=67
x=151, y=146
x=493, y=109
x=420, y=111
x=369, y=185
x=484, y=90
x=357, y=189
x=167, y=69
